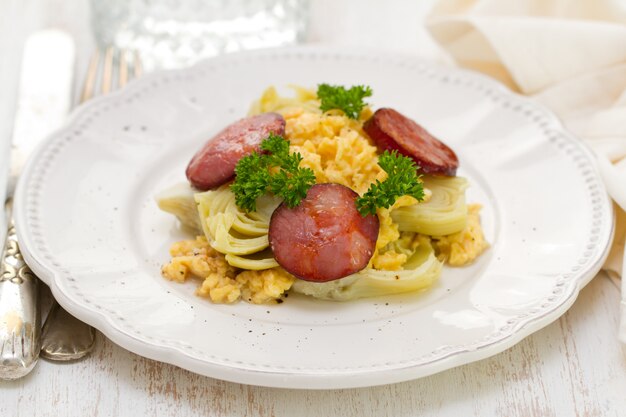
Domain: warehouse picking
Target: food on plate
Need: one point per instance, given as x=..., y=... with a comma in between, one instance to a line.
x=324, y=238
x=222, y=282
x=443, y=213
x=214, y=164
x=274, y=170
x=349, y=100
x=318, y=195
x=460, y=248
x=391, y=130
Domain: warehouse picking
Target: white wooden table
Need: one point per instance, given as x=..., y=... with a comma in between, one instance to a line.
x=573, y=367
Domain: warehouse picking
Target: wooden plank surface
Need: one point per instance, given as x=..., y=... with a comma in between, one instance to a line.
x=573, y=367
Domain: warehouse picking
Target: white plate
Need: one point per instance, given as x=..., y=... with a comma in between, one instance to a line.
x=89, y=226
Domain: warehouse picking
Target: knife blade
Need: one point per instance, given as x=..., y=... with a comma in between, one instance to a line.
x=44, y=98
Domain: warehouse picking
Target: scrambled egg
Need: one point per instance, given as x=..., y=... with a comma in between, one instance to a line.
x=463, y=247
x=386, y=256
x=335, y=148
x=221, y=282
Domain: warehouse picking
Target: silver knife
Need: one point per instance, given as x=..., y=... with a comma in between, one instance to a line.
x=44, y=99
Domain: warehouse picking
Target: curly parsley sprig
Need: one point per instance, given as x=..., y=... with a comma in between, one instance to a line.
x=276, y=171
x=338, y=97
x=402, y=179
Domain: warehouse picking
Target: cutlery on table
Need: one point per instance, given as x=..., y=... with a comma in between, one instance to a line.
x=43, y=102
x=64, y=337
x=45, y=88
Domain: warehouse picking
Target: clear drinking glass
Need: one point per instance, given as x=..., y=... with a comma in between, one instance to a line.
x=176, y=33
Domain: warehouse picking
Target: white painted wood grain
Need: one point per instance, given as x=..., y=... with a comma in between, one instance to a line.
x=573, y=367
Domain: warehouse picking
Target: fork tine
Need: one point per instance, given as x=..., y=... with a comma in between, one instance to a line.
x=138, y=66
x=90, y=79
x=128, y=66
x=107, y=71
x=122, y=78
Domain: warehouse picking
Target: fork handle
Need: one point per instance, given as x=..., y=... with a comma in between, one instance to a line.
x=19, y=310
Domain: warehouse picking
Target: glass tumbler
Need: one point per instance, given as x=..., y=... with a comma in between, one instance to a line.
x=177, y=33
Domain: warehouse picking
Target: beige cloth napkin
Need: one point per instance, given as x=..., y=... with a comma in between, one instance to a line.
x=569, y=55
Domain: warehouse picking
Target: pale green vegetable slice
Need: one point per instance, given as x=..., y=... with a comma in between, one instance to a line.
x=256, y=261
x=445, y=213
x=422, y=269
x=231, y=230
x=222, y=201
x=226, y=240
x=179, y=201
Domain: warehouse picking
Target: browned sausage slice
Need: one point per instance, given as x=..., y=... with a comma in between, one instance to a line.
x=214, y=164
x=324, y=238
x=391, y=130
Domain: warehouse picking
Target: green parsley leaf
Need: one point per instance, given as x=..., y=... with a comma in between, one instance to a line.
x=348, y=100
x=276, y=145
x=251, y=181
x=402, y=179
x=292, y=187
x=276, y=171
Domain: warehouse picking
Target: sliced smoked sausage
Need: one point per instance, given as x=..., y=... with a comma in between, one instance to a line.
x=391, y=130
x=214, y=164
x=324, y=238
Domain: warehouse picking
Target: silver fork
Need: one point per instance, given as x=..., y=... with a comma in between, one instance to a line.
x=65, y=338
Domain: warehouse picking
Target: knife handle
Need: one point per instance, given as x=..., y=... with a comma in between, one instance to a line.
x=64, y=337
x=20, y=326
